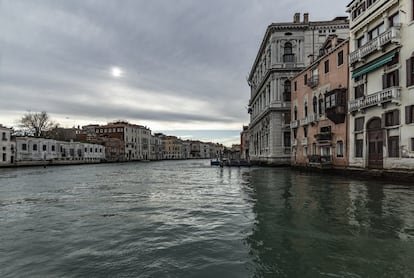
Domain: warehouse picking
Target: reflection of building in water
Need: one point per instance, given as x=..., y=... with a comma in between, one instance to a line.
x=382, y=210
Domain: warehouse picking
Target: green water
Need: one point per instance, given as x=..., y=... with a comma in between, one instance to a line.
x=187, y=219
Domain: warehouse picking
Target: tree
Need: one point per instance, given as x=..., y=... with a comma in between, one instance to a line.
x=36, y=123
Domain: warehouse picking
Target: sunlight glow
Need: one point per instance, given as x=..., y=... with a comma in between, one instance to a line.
x=116, y=72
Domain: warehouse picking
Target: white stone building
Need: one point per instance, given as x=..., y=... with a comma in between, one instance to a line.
x=286, y=49
x=7, y=146
x=32, y=149
x=381, y=96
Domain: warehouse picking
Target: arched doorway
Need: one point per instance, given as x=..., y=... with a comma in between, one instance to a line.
x=375, y=143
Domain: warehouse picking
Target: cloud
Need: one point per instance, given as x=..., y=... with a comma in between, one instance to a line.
x=184, y=62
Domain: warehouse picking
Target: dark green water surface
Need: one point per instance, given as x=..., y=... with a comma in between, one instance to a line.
x=187, y=219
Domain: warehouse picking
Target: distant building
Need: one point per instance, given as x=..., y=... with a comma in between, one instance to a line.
x=381, y=99
x=319, y=109
x=7, y=146
x=32, y=149
x=136, y=139
x=244, y=143
x=286, y=49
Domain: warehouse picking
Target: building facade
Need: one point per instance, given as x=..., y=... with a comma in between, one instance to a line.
x=33, y=149
x=286, y=49
x=381, y=104
x=7, y=146
x=319, y=115
x=136, y=139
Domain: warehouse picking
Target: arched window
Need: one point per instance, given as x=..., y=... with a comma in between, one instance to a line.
x=321, y=104
x=315, y=104
x=306, y=109
x=288, y=56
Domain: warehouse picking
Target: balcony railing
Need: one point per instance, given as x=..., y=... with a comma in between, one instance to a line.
x=304, y=141
x=313, y=81
x=294, y=124
x=323, y=136
x=391, y=35
x=390, y=94
x=304, y=121
x=313, y=118
x=294, y=142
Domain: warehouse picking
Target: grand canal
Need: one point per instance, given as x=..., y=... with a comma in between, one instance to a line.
x=187, y=219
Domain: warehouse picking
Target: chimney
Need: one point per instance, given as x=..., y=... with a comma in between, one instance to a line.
x=306, y=18
x=296, y=18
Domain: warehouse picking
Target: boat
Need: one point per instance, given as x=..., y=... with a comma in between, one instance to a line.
x=215, y=162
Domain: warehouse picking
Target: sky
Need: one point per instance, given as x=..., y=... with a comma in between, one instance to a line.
x=179, y=66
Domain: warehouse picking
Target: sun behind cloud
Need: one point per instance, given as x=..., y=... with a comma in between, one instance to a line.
x=116, y=72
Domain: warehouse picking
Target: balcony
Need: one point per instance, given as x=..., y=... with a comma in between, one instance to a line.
x=323, y=137
x=304, y=121
x=313, y=81
x=392, y=94
x=304, y=141
x=391, y=35
x=313, y=118
x=294, y=142
x=294, y=124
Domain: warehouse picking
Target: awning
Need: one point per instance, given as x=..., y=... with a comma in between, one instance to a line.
x=373, y=65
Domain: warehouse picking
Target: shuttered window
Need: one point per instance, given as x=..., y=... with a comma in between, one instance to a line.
x=391, y=118
x=393, y=146
x=390, y=79
x=409, y=114
x=410, y=71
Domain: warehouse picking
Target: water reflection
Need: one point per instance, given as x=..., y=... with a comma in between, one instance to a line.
x=316, y=226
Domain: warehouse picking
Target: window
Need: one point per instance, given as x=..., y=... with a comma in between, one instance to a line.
x=359, y=124
x=340, y=58
x=359, y=144
x=44, y=147
x=409, y=114
x=394, y=146
x=321, y=104
x=3, y=136
x=53, y=148
x=4, y=157
x=288, y=56
x=315, y=104
x=295, y=133
x=295, y=85
x=35, y=147
x=410, y=71
x=286, y=139
x=392, y=118
x=359, y=91
x=374, y=33
x=295, y=113
x=394, y=20
x=24, y=147
x=306, y=109
x=326, y=66
x=305, y=131
x=305, y=79
x=390, y=79
x=412, y=144
x=360, y=41
x=340, y=149
x=370, y=2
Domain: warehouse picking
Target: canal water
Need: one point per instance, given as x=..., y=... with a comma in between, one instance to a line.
x=187, y=219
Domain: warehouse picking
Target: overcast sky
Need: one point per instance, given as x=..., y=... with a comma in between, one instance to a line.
x=181, y=64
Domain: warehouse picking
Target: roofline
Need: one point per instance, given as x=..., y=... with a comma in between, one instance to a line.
x=321, y=58
x=290, y=26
